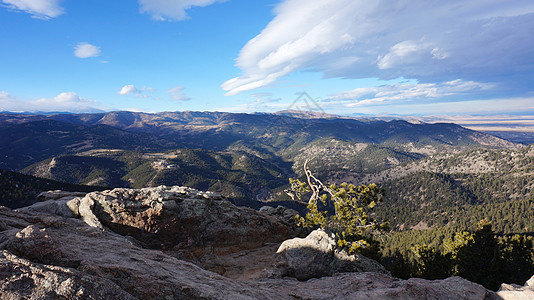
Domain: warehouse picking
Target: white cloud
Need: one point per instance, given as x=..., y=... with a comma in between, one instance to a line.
x=162, y=10
x=403, y=53
x=405, y=92
x=41, y=9
x=9, y=103
x=177, y=93
x=128, y=89
x=68, y=101
x=86, y=50
x=64, y=100
x=430, y=41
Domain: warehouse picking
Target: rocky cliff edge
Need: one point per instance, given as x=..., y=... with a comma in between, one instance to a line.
x=133, y=244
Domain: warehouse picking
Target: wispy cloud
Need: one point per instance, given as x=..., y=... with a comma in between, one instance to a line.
x=493, y=106
x=67, y=101
x=86, y=50
x=64, y=99
x=398, y=92
x=478, y=40
x=265, y=102
x=40, y=9
x=177, y=93
x=162, y=10
x=479, y=107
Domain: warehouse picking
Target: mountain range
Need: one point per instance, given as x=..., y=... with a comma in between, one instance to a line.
x=250, y=157
x=240, y=155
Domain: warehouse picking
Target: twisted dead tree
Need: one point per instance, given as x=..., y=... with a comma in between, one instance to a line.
x=315, y=186
x=352, y=222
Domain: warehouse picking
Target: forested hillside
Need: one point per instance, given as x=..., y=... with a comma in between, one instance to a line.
x=19, y=190
x=449, y=189
x=236, y=174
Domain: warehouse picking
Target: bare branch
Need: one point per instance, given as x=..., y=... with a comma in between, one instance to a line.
x=294, y=198
x=316, y=185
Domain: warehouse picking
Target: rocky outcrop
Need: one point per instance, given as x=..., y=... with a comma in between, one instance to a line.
x=48, y=255
x=177, y=218
x=317, y=256
x=517, y=292
x=173, y=218
x=79, y=249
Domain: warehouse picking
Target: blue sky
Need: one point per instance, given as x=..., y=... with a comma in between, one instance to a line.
x=351, y=56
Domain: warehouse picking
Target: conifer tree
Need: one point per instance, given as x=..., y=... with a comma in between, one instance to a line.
x=352, y=220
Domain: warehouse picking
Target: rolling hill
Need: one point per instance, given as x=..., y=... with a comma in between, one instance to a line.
x=236, y=174
x=30, y=142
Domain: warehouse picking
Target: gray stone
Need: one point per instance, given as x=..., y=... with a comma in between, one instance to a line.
x=317, y=256
x=84, y=207
x=54, y=207
x=58, y=194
